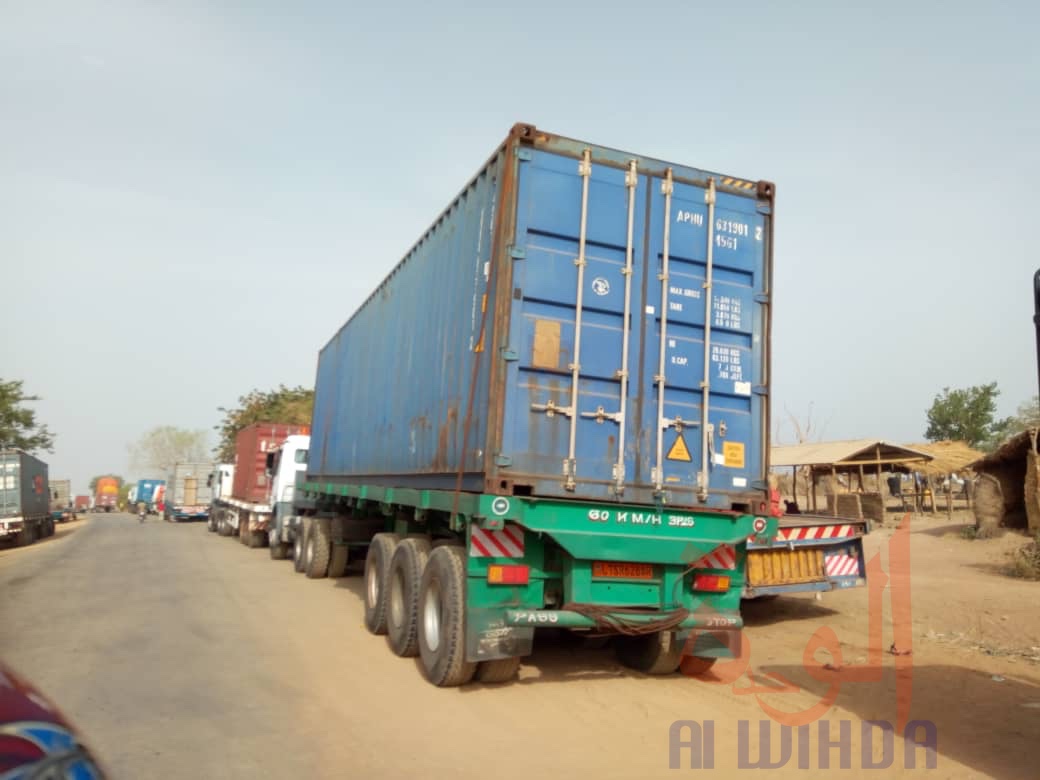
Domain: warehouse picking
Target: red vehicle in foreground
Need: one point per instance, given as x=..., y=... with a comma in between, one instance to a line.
x=36, y=740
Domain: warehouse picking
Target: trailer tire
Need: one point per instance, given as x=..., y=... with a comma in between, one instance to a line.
x=442, y=618
x=299, y=540
x=279, y=550
x=658, y=653
x=317, y=548
x=402, y=595
x=500, y=670
x=211, y=523
x=377, y=577
x=339, y=556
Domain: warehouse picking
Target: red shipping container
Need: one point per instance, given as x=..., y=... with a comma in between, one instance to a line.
x=251, y=447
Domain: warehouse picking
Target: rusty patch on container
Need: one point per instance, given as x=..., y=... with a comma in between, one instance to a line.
x=546, y=344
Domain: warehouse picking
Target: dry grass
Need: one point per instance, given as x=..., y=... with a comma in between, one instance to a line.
x=1025, y=561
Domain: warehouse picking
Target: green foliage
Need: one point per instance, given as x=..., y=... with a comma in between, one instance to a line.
x=18, y=426
x=964, y=414
x=94, y=481
x=158, y=449
x=291, y=406
x=1026, y=416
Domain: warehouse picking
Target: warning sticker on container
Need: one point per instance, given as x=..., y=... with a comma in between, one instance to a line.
x=733, y=454
x=679, y=450
x=742, y=388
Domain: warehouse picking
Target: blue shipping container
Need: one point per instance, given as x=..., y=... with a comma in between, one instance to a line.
x=548, y=336
x=146, y=489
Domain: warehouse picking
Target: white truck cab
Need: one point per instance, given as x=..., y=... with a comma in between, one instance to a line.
x=282, y=467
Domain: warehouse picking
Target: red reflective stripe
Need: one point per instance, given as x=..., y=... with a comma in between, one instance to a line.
x=475, y=542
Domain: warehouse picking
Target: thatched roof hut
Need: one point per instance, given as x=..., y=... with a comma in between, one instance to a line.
x=1007, y=491
x=948, y=457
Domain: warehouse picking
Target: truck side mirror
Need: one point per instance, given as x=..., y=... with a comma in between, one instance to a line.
x=270, y=461
x=209, y=481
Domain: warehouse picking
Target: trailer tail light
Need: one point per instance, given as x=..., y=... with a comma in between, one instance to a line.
x=713, y=583
x=502, y=574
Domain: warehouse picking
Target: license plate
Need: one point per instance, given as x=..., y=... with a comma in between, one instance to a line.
x=623, y=571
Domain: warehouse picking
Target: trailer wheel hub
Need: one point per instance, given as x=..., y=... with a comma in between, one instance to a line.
x=432, y=617
x=372, y=587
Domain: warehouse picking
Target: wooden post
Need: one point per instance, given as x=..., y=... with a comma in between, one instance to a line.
x=949, y=501
x=861, y=488
x=834, y=489
x=880, y=490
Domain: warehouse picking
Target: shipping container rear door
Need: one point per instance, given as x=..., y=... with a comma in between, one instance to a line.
x=644, y=238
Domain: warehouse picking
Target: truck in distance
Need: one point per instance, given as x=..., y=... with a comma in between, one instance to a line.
x=187, y=495
x=257, y=487
x=106, y=494
x=25, y=503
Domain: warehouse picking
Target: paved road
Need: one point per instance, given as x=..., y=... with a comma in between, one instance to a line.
x=181, y=654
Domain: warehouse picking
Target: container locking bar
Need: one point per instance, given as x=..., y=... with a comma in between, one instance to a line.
x=707, y=437
x=631, y=181
x=601, y=415
x=585, y=171
x=667, y=186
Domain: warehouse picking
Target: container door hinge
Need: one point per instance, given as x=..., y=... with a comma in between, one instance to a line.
x=570, y=468
x=509, y=354
x=503, y=460
x=517, y=252
x=760, y=390
x=761, y=298
x=524, y=155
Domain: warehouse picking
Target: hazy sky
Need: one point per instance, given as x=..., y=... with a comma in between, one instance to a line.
x=195, y=195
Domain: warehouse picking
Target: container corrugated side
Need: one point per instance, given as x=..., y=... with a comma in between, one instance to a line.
x=491, y=293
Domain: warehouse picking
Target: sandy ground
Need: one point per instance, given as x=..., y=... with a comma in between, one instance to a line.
x=181, y=655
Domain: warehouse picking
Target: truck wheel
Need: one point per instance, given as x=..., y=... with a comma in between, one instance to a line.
x=339, y=556
x=338, y=560
x=442, y=618
x=377, y=575
x=299, y=537
x=498, y=671
x=211, y=523
x=406, y=569
x=279, y=550
x=658, y=653
x=317, y=549
x=223, y=529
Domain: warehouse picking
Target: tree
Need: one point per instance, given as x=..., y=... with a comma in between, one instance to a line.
x=1026, y=416
x=94, y=481
x=160, y=448
x=291, y=406
x=964, y=414
x=18, y=426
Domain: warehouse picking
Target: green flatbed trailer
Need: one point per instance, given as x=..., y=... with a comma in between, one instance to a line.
x=488, y=570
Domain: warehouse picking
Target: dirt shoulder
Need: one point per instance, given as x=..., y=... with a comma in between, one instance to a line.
x=61, y=531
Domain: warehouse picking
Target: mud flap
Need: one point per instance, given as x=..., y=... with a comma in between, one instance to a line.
x=489, y=638
x=704, y=643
